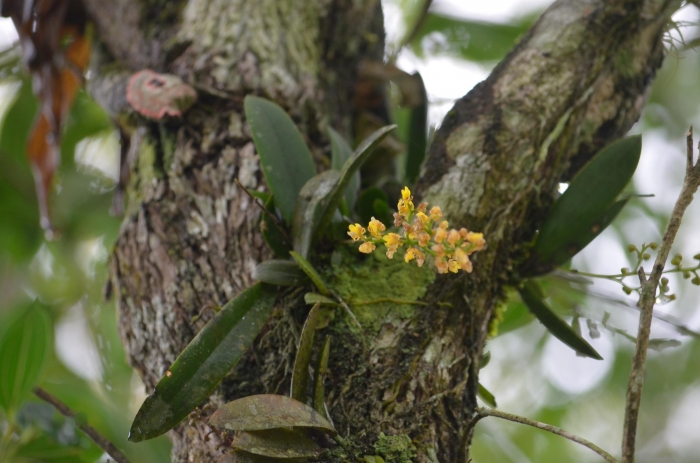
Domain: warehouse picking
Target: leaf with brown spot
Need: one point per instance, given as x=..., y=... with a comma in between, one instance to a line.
x=268, y=411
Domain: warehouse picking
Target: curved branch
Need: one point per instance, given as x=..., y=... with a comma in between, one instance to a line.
x=484, y=412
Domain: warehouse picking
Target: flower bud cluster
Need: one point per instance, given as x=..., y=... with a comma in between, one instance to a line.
x=423, y=233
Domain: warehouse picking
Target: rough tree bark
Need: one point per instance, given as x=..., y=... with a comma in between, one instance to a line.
x=576, y=81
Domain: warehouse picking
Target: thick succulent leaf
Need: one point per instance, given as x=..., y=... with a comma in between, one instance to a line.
x=280, y=272
x=417, y=136
x=204, y=362
x=310, y=207
x=569, y=249
x=321, y=196
x=319, y=376
x=300, y=374
x=275, y=238
x=588, y=199
x=285, y=159
x=350, y=168
x=268, y=411
x=277, y=443
x=340, y=153
x=486, y=396
x=24, y=350
x=311, y=273
x=485, y=41
x=532, y=297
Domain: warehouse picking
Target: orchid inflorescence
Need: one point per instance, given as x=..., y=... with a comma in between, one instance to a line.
x=424, y=234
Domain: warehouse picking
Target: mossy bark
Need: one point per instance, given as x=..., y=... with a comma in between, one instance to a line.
x=190, y=238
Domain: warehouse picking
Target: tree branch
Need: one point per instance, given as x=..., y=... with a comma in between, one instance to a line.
x=91, y=432
x=484, y=412
x=647, y=300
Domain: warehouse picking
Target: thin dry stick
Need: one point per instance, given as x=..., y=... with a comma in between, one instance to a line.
x=484, y=412
x=262, y=207
x=91, y=432
x=647, y=299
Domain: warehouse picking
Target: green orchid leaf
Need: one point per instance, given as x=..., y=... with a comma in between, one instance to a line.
x=417, y=136
x=204, y=362
x=340, y=153
x=24, y=350
x=563, y=254
x=268, y=411
x=277, y=443
x=531, y=295
x=319, y=376
x=487, y=41
x=311, y=273
x=274, y=237
x=350, y=168
x=322, y=195
x=486, y=396
x=284, y=157
x=300, y=373
x=578, y=215
x=280, y=273
x=310, y=208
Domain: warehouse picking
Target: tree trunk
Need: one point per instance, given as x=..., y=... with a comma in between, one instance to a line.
x=190, y=239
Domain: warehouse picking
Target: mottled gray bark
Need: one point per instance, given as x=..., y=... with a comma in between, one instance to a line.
x=190, y=239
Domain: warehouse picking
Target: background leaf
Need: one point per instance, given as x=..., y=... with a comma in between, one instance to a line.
x=24, y=350
x=285, y=159
x=204, y=363
x=468, y=39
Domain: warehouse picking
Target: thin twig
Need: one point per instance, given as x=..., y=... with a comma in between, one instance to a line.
x=91, y=432
x=647, y=300
x=265, y=211
x=482, y=412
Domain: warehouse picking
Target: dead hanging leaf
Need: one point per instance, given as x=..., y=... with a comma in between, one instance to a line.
x=56, y=51
x=268, y=411
x=277, y=443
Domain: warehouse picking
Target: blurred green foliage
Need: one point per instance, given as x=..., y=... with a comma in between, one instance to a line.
x=65, y=277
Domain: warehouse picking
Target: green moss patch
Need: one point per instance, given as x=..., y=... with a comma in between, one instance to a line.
x=359, y=280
